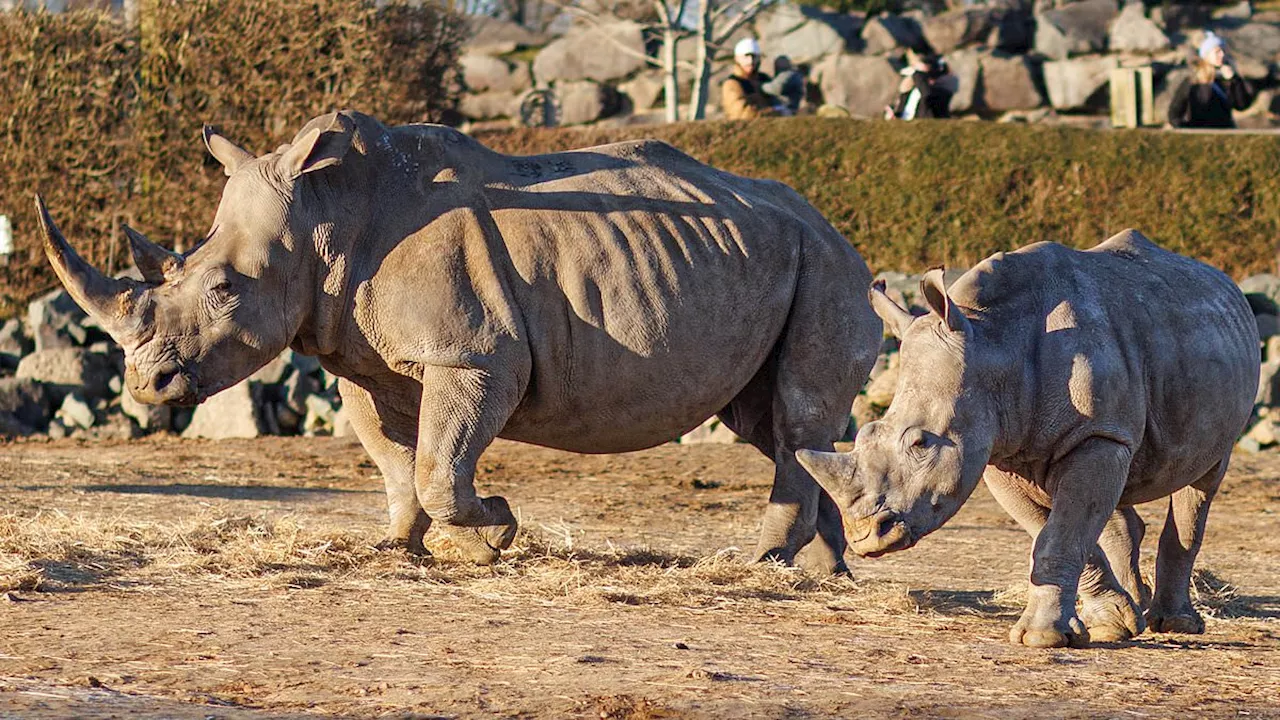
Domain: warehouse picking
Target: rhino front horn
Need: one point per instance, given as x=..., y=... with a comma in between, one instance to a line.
x=154, y=262
x=105, y=299
x=831, y=470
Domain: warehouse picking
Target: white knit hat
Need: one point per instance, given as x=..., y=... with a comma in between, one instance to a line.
x=1211, y=42
x=746, y=46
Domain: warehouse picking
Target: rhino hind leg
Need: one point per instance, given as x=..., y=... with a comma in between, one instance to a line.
x=461, y=412
x=386, y=437
x=1109, y=612
x=1171, y=608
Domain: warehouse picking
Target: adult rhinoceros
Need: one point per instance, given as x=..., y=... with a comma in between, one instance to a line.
x=600, y=301
x=1078, y=384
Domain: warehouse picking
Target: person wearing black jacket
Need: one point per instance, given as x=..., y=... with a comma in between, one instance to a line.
x=925, y=90
x=1205, y=100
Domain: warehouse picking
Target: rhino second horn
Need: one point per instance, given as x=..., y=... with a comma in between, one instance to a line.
x=154, y=262
x=102, y=297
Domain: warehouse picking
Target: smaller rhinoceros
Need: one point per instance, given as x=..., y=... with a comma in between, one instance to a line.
x=1077, y=384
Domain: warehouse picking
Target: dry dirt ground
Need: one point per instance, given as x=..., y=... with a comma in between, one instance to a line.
x=186, y=579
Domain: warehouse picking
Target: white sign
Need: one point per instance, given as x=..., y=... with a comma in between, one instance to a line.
x=6, y=236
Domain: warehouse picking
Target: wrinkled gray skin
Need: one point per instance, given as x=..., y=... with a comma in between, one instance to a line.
x=598, y=301
x=1077, y=384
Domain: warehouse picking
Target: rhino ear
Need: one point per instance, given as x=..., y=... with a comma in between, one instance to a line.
x=832, y=471
x=318, y=148
x=895, y=317
x=226, y=152
x=935, y=295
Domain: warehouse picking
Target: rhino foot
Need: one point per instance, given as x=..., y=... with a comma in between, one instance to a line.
x=1112, y=618
x=482, y=540
x=1186, y=621
x=407, y=545
x=1034, y=630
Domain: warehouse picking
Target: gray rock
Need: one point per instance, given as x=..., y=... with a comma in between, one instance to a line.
x=491, y=36
x=1179, y=17
x=1268, y=393
x=966, y=66
x=485, y=73
x=1076, y=29
x=609, y=52
x=1007, y=84
x=320, y=416
x=585, y=102
x=305, y=364
x=861, y=84
x=880, y=391
x=1268, y=326
x=806, y=34
x=489, y=105
x=55, y=321
x=69, y=369
x=951, y=30
x=24, y=406
x=231, y=413
x=883, y=33
x=13, y=340
x=75, y=412
x=1255, y=41
x=1075, y=84
x=1013, y=31
x=1134, y=32
x=644, y=90
x=149, y=418
x=1242, y=10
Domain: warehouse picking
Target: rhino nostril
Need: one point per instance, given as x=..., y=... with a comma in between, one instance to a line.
x=164, y=379
x=886, y=525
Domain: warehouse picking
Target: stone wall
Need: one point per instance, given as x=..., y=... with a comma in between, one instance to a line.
x=1017, y=59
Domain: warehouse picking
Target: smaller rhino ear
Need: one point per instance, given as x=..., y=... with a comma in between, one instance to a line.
x=934, y=290
x=317, y=149
x=832, y=471
x=231, y=156
x=895, y=317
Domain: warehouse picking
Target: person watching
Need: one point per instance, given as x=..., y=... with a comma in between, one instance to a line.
x=742, y=96
x=1205, y=100
x=787, y=84
x=925, y=90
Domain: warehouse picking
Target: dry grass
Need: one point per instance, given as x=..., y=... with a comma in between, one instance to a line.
x=58, y=552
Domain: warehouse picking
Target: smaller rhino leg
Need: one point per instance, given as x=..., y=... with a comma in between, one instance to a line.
x=1171, y=608
x=387, y=437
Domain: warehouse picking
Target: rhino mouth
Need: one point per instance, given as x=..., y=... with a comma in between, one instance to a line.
x=880, y=534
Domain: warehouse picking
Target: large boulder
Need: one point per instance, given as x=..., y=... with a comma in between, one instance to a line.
x=1076, y=29
x=1007, y=84
x=711, y=431
x=585, y=102
x=25, y=406
x=806, y=34
x=644, y=90
x=1079, y=83
x=947, y=31
x=232, y=413
x=491, y=36
x=56, y=321
x=1013, y=31
x=489, y=105
x=13, y=342
x=609, y=52
x=861, y=84
x=966, y=67
x=67, y=370
x=1255, y=41
x=482, y=72
x=149, y=418
x=1134, y=32
x=883, y=33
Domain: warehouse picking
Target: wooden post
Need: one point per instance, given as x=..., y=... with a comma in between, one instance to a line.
x=1132, y=97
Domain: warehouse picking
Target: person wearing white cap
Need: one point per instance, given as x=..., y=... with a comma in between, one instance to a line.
x=1205, y=100
x=742, y=96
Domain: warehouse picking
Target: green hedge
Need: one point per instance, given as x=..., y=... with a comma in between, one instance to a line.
x=913, y=195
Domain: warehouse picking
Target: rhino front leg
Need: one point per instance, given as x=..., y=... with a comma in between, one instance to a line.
x=1085, y=486
x=1171, y=608
x=390, y=437
x=1109, y=612
x=462, y=411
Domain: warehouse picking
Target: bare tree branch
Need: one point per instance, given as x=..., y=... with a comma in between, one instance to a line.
x=748, y=13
